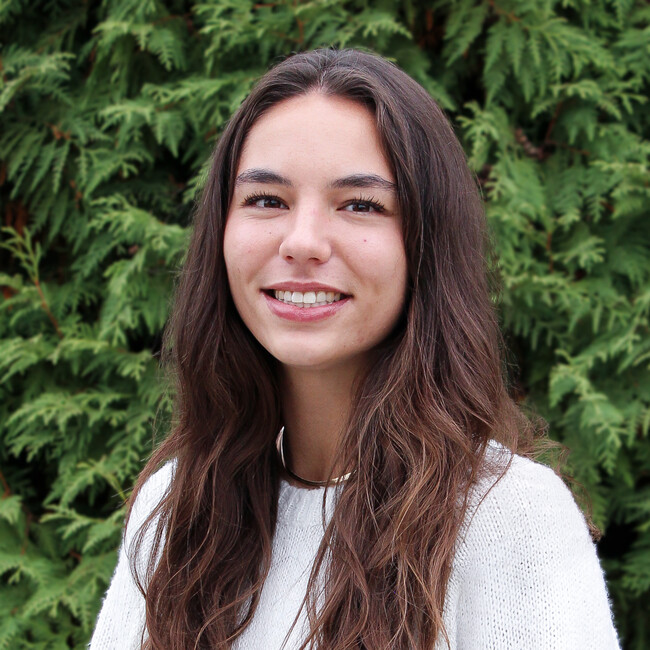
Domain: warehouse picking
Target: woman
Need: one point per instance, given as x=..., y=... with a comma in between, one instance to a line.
x=339, y=471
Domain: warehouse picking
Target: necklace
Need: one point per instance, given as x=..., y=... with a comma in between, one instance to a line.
x=279, y=443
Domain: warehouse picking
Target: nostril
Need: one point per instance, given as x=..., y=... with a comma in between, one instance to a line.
x=305, y=246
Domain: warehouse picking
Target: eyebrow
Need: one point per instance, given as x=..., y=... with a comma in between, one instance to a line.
x=264, y=176
x=372, y=181
x=268, y=177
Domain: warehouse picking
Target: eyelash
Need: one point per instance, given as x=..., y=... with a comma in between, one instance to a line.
x=253, y=198
x=371, y=201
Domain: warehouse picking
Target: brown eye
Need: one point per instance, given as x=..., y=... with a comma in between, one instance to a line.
x=364, y=206
x=269, y=203
x=265, y=201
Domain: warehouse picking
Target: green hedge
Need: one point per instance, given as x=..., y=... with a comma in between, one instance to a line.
x=108, y=112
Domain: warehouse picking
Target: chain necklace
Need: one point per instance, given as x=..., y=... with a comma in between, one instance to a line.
x=279, y=443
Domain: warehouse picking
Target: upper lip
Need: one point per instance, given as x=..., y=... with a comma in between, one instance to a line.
x=302, y=286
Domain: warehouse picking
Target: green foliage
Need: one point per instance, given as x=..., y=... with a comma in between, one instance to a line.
x=108, y=113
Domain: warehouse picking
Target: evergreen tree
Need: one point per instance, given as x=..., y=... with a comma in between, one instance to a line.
x=108, y=112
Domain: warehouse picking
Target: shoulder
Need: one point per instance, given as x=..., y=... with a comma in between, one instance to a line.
x=147, y=498
x=155, y=487
x=526, y=569
x=519, y=510
x=121, y=621
x=523, y=496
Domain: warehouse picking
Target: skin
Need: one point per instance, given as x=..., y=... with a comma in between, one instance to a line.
x=322, y=211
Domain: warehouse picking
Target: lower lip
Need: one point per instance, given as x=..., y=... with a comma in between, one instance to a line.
x=303, y=314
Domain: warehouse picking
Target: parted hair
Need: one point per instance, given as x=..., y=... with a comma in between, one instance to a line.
x=420, y=419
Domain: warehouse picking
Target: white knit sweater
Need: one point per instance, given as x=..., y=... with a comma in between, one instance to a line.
x=525, y=575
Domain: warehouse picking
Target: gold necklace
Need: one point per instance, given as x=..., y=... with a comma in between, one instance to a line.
x=279, y=443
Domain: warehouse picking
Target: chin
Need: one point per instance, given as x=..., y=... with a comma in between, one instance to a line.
x=306, y=362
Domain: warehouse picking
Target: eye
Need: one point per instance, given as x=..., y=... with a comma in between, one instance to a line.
x=265, y=201
x=364, y=205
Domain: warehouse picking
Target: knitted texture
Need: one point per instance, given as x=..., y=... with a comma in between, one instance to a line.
x=525, y=575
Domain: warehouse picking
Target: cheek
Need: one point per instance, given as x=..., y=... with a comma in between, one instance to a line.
x=240, y=251
x=383, y=261
x=229, y=246
x=236, y=257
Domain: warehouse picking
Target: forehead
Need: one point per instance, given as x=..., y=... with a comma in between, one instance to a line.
x=316, y=134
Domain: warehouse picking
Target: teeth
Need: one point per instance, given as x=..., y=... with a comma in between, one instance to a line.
x=308, y=298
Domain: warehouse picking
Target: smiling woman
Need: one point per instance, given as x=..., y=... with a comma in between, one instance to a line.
x=304, y=227
x=346, y=469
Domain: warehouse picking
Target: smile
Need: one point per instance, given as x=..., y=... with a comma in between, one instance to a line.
x=307, y=298
x=290, y=305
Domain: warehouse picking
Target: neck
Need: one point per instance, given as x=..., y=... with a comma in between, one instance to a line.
x=316, y=407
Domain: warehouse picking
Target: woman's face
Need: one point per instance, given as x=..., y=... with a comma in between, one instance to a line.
x=313, y=241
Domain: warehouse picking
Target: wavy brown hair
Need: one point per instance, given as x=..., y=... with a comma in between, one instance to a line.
x=419, y=424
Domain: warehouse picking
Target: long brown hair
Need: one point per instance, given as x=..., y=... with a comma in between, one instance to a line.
x=419, y=425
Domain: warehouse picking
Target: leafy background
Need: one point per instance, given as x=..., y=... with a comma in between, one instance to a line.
x=108, y=112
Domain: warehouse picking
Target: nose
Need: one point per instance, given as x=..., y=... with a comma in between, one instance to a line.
x=306, y=237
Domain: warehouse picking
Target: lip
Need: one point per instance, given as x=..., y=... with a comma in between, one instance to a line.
x=303, y=287
x=304, y=314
